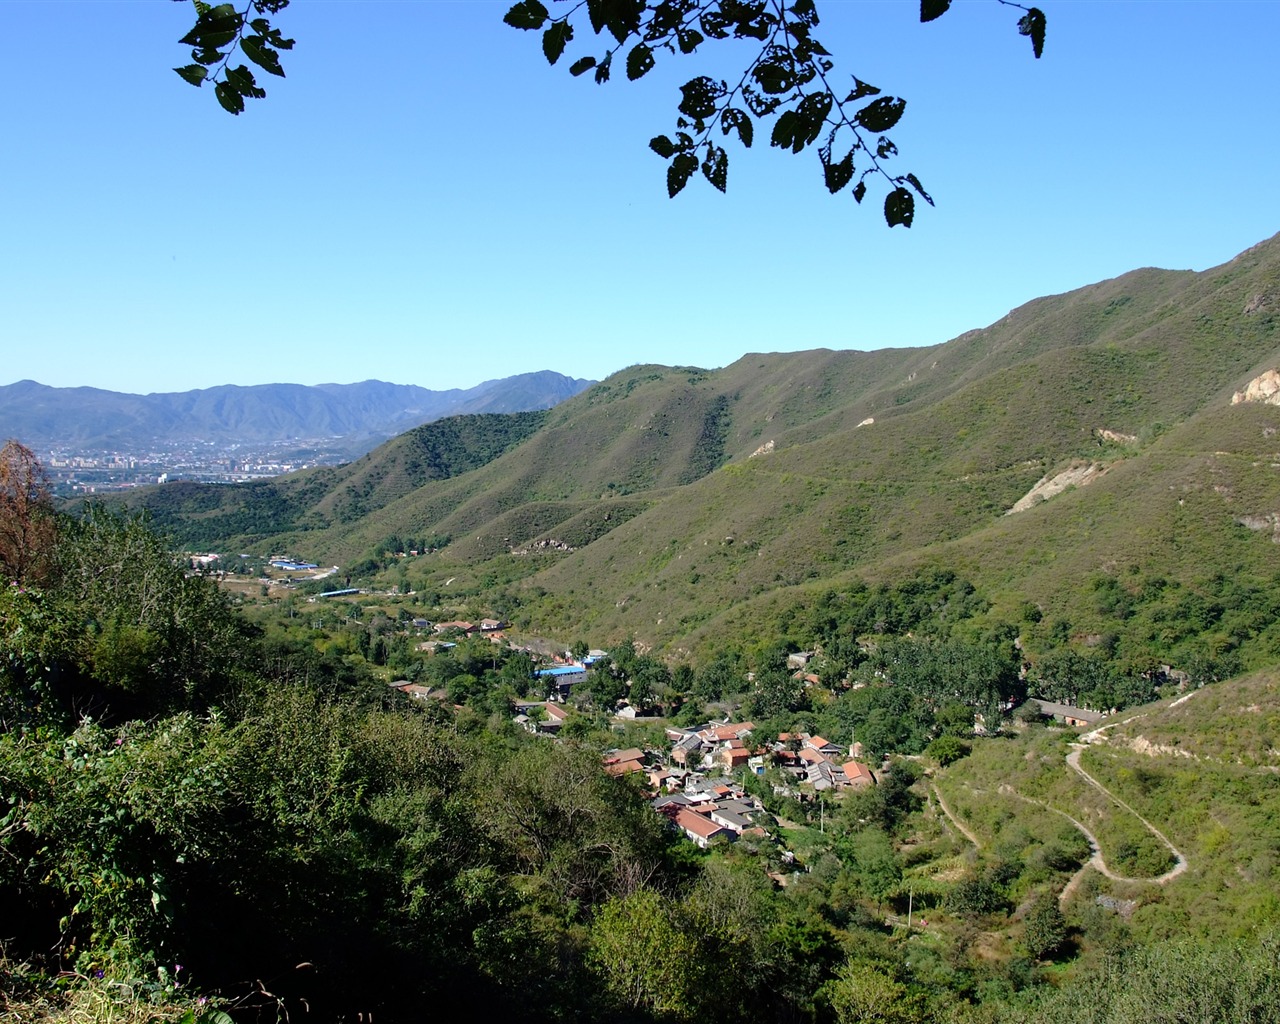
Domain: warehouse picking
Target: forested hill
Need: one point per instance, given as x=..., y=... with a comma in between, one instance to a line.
x=701, y=503
x=366, y=413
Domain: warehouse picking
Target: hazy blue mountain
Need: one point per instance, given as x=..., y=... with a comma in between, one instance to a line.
x=363, y=413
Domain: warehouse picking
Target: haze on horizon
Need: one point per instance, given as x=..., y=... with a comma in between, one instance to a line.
x=424, y=201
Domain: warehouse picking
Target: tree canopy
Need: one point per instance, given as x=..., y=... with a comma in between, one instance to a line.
x=790, y=82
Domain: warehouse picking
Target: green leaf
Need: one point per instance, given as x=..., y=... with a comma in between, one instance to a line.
x=581, y=66
x=689, y=39
x=679, y=171
x=837, y=175
x=715, y=168
x=232, y=102
x=193, y=73
x=1032, y=24
x=930, y=9
x=241, y=79
x=899, y=208
x=262, y=55
x=663, y=146
x=739, y=120
x=639, y=61
x=215, y=28
x=882, y=114
x=555, y=39
x=527, y=14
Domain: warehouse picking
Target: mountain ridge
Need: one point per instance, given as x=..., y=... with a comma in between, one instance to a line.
x=364, y=413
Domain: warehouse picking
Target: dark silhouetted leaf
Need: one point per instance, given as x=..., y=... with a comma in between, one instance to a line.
x=914, y=182
x=861, y=89
x=739, y=120
x=689, y=39
x=231, y=101
x=241, y=79
x=262, y=55
x=899, y=208
x=882, y=114
x=620, y=17
x=639, y=61
x=930, y=9
x=1032, y=24
x=784, y=131
x=527, y=14
x=663, y=146
x=837, y=175
x=555, y=39
x=214, y=28
x=774, y=76
x=679, y=172
x=715, y=168
x=603, y=69
x=699, y=96
x=582, y=65
x=193, y=73
x=859, y=191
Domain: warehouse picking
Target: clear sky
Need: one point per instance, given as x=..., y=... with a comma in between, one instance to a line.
x=423, y=200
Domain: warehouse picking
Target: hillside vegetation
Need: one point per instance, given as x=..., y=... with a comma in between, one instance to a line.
x=682, y=507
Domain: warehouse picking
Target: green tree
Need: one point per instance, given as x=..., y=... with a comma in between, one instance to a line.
x=862, y=994
x=1045, y=929
x=644, y=960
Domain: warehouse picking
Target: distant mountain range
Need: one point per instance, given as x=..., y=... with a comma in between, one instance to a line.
x=362, y=414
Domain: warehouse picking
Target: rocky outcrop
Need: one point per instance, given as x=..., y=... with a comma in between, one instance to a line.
x=1263, y=388
x=1077, y=475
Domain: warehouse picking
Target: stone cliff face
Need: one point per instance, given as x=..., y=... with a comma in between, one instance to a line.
x=1263, y=388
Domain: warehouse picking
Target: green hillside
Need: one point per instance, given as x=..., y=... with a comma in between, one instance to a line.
x=680, y=506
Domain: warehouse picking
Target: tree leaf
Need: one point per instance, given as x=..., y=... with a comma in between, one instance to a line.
x=899, y=208
x=734, y=119
x=266, y=58
x=1033, y=24
x=860, y=89
x=930, y=9
x=837, y=175
x=663, y=146
x=214, y=28
x=241, y=79
x=193, y=73
x=914, y=182
x=232, y=102
x=679, y=171
x=699, y=96
x=639, y=61
x=527, y=14
x=859, y=190
x=689, y=39
x=882, y=114
x=603, y=68
x=581, y=66
x=555, y=39
x=715, y=168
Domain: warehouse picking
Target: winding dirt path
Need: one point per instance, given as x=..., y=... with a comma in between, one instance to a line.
x=953, y=819
x=1096, y=861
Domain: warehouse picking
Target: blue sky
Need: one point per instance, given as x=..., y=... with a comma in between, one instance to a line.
x=423, y=200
